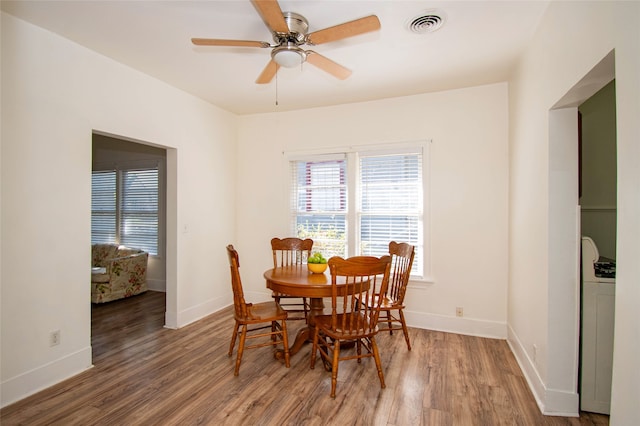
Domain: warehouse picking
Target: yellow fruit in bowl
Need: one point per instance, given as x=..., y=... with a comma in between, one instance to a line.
x=317, y=268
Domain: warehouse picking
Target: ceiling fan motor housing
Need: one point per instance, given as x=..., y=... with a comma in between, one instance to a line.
x=298, y=28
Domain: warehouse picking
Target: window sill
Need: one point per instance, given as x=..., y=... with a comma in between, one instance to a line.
x=420, y=282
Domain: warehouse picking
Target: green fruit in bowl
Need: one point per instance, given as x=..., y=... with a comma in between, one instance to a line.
x=316, y=258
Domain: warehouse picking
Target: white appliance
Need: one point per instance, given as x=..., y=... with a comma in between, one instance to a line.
x=598, y=309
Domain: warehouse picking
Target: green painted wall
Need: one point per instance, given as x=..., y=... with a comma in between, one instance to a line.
x=598, y=200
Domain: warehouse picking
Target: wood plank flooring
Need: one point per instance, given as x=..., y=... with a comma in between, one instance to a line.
x=145, y=374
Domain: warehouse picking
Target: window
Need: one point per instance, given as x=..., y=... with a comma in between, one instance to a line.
x=355, y=203
x=389, y=202
x=124, y=208
x=320, y=203
x=103, y=207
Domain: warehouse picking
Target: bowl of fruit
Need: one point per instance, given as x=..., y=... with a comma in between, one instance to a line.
x=317, y=263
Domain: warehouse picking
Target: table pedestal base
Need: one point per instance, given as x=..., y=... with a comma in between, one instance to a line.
x=305, y=334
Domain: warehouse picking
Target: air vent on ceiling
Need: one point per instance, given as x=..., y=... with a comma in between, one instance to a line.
x=426, y=23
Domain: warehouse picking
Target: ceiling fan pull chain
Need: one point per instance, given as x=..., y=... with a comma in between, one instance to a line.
x=276, y=88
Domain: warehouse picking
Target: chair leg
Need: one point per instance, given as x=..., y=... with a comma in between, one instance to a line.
x=243, y=336
x=404, y=329
x=376, y=356
x=233, y=338
x=386, y=317
x=334, y=367
x=314, y=348
x=285, y=343
x=305, y=305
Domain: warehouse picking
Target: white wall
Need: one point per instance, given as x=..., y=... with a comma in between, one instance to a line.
x=54, y=94
x=542, y=295
x=626, y=374
x=468, y=191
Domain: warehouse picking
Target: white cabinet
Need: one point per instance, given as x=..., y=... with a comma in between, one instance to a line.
x=598, y=309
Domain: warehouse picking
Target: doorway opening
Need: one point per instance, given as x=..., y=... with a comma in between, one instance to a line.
x=140, y=223
x=598, y=204
x=565, y=221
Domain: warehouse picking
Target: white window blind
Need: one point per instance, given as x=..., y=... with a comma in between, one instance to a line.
x=139, y=209
x=103, y=207
x=390, y=203
x=319, y=204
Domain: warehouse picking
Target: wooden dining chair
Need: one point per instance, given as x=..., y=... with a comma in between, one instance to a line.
x=392, y=303
x=351, y=321
x=254, y=320
x=290, y=252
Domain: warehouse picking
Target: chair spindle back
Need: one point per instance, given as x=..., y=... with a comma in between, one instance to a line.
x=363, y=275
x=239, y=303
x=402, y=255
x=290, y=251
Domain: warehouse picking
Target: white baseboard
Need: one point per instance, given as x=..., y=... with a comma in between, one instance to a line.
x=449, y=324
x=31, y=382
x=561, y=403
x=551, y=402
x=157, y=285
x=197, y=312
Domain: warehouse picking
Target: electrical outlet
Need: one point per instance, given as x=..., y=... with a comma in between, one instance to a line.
x=459, y=312
x=54, y=338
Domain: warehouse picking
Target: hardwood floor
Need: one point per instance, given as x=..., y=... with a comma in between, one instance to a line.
x=145, y=374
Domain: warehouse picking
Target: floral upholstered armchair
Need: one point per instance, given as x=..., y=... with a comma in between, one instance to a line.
x=117, y=272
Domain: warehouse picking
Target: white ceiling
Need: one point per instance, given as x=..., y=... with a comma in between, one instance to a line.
x=477, y=44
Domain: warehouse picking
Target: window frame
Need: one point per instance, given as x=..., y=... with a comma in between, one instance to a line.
x=351, y=154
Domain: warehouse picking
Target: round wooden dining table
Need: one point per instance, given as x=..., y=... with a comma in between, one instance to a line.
x=296, y=280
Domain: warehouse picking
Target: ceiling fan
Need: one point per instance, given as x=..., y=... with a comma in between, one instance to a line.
x=289, y=32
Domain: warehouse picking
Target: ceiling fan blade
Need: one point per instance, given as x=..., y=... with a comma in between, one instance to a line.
x=271, y=14
x=348, y=29
x=268, y=73
x=328, y=65
x=232, y=43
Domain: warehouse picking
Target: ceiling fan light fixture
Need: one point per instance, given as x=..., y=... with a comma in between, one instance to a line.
x=288, y=56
